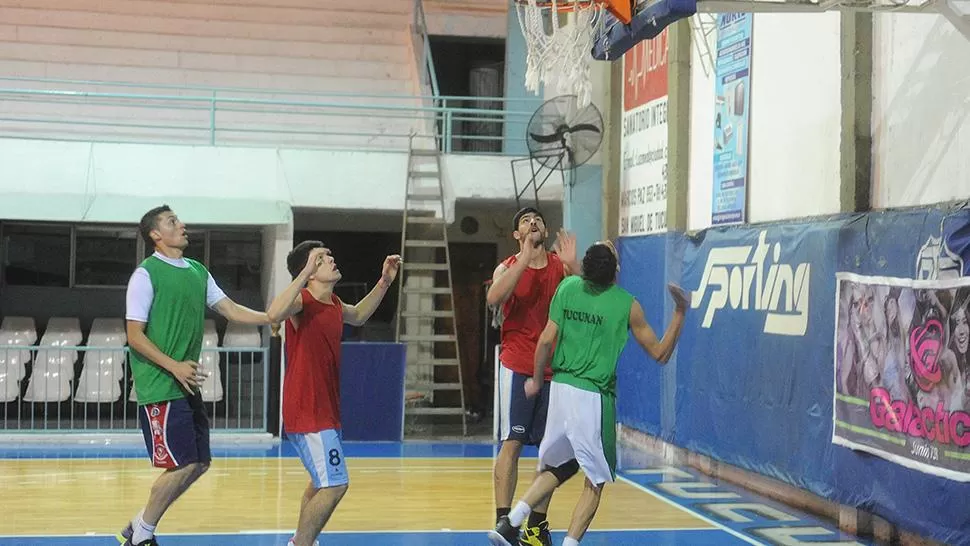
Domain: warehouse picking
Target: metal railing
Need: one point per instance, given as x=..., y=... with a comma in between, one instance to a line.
x=477, y=132
x=90, y=389
x=100, y=111
x=428, y=72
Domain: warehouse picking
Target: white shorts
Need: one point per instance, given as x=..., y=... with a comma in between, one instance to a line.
x=580, y=425
x=323, y=456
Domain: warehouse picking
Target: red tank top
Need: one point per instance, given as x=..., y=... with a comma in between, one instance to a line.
x=526, y=313
x=311, y=385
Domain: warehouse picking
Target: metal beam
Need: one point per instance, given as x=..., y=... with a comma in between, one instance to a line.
x=959, y=18
x=855, y=184
x=678, y=123
x=612, y=156
x=808, y=6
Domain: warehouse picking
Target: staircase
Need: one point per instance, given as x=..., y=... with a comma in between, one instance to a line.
x=426, y=310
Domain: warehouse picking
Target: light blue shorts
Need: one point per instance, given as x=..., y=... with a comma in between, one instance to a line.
x=323, y=456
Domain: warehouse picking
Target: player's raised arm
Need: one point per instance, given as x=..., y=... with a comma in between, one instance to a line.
x=504, y=278
x=659, y=350
x=288, y=302
x=565, y=247
x=357, y=315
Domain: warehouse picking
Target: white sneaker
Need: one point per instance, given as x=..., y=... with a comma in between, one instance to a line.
x=291, y=543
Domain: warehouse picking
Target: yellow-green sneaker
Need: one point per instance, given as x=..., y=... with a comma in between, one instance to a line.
x=536, y=536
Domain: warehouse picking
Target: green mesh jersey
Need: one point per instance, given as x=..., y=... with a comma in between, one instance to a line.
x=593, y=329
x=175, y=325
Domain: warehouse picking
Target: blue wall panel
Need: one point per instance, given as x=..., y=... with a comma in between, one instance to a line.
x=753, y=373
x=372, y=391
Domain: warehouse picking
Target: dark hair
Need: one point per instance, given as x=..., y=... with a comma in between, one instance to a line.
x=296, y=259
x=599, y=266
x=149, y=222
x=522, y=212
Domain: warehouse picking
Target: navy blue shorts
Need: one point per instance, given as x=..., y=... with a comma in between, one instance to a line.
x=522, y=419
x=176, y=432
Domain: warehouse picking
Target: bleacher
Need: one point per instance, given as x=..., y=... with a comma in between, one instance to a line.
x=67, y=380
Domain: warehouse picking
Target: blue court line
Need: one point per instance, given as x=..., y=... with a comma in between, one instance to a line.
x=664, y=537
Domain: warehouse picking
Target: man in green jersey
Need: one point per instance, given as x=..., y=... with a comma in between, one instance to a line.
x=589, y=321
x=165, y=310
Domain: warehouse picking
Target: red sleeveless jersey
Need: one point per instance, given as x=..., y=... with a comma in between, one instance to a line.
x=311, y=385
x=526, y=313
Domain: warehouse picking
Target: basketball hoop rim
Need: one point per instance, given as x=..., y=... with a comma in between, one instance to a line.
x=621, y=9
x=564, y=5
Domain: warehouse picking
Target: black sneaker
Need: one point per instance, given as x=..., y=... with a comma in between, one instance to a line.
x=125, y=536
x=504, y=534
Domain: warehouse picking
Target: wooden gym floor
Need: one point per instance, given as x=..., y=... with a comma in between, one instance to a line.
x=400, y=494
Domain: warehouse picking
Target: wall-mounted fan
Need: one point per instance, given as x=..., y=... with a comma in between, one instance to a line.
x=561, y=135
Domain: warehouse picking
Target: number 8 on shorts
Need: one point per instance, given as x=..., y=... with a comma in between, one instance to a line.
x=323, y=456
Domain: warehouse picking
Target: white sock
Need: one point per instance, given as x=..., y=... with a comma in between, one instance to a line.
x=518, y=514
x=137, y=517
x=570, y=541
x=142, y=530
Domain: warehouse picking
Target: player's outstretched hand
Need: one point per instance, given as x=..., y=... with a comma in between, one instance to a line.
x=565, y=246
x=680, y=297
x=391, y=265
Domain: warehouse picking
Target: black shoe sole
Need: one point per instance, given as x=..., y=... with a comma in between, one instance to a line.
x=498, y=540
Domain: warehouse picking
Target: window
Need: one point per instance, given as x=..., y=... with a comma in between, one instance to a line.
x=41, y=255
x=37, y=255
x=104, y=256
x=235, y=259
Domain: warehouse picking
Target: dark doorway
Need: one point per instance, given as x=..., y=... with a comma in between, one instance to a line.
x=471, y=265
x=471, y=68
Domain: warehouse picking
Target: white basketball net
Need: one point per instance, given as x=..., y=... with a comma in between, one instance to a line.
x=560, y=57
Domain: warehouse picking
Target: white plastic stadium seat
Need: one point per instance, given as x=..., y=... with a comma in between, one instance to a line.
x=212, y=386
x=9, y=383
x=210, y=336
x=61, y=332
x=103, y=370
x=12, y=366
x=68, y=328
x=241, y=335
x=107, y=332
x=48, y=383
x=20, y=325
x=18, y=331
x=53, y=370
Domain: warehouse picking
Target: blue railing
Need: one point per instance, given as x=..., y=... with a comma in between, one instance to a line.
x=104, y=111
